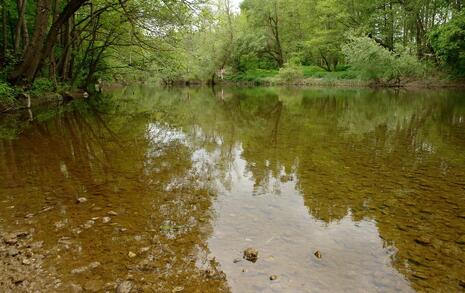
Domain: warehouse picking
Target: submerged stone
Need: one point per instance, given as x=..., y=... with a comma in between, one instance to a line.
x=81, y=200
x=251, y=254
x=124, y=287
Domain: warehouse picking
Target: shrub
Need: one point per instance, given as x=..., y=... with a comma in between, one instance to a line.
x=41, y=86
x=290, y=73
x=7, y=94
x=448, y=42
x=376, y=63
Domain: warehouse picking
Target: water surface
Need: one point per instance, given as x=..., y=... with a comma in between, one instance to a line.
x=179, y=182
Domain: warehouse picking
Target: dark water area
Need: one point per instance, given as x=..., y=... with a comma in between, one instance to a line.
x=163, y=190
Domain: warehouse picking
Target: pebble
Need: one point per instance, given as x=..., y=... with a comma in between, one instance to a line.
x=317, y=254
x=11, y=240
x=144, y=249
x=124, y=287
x=106, y=220
x=420, y=275
x=251, y=254
x=94, y=285
x=273, y=277
x=461, y=240
x=22, y=234
x=132, y=254
x=26, y=261
x=177, y=289
x=237, y=260
x=462, y=283
x=81, y=200
x=12, y=251
x=423, y=240
x=75, y=288
x=112, y=213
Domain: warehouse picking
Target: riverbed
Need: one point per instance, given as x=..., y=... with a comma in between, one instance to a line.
x=162, y=190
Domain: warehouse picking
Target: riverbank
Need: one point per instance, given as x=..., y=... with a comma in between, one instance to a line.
x=316, y=76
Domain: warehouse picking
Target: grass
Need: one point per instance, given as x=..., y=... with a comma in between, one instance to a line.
x=311, y=75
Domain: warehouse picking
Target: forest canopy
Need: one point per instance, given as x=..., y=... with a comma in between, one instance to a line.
x=51, y=43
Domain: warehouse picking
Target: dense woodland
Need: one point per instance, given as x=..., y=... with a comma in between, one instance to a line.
x=56, y=44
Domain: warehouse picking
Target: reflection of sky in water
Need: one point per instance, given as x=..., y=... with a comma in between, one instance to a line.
x=276, y=221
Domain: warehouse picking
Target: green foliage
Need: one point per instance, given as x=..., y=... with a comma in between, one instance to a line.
x=448, y=42
x=290, y=73
x=7, y=94
x=373, y=62
x=42, y=86
x=254, y=75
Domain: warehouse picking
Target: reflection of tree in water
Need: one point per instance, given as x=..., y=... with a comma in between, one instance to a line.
x=163, y=211
x=386, y=157
x=392, y=159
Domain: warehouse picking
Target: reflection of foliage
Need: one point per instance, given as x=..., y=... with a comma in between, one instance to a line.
x=381, y=155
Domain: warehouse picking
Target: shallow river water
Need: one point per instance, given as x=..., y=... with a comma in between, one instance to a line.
x=339, y=190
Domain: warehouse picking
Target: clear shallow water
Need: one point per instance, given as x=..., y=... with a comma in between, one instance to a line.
x=373, y=180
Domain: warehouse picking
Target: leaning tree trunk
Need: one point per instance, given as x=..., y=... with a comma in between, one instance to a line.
x=42, y=43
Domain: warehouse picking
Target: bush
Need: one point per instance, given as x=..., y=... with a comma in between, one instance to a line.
x=448, y=42
x=41, y=86
x=290, y=73
x=7, y=94
x=376, y=63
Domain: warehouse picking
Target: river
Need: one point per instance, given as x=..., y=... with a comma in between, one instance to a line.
x=157, y=190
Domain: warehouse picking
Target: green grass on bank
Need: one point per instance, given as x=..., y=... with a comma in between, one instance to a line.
x=263, y=75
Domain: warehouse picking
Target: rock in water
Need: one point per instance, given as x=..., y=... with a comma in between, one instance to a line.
x=251, y=254
x=317, y=254
x=124, y=287
x=237, y=260
x=11, y=240
x=81, y=200
x=461, y=240
x=423, y=240
x=273, y=277
x=106, y=220
x=12, y=251
x=132, y=254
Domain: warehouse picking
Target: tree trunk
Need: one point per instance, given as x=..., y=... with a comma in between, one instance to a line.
x=4, y=32
x=25, y=30
x=27, y=69
x=64, y=64
x=21, y=4
x=39, y=50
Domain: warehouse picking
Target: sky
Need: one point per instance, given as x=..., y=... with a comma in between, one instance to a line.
x=236, y=3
